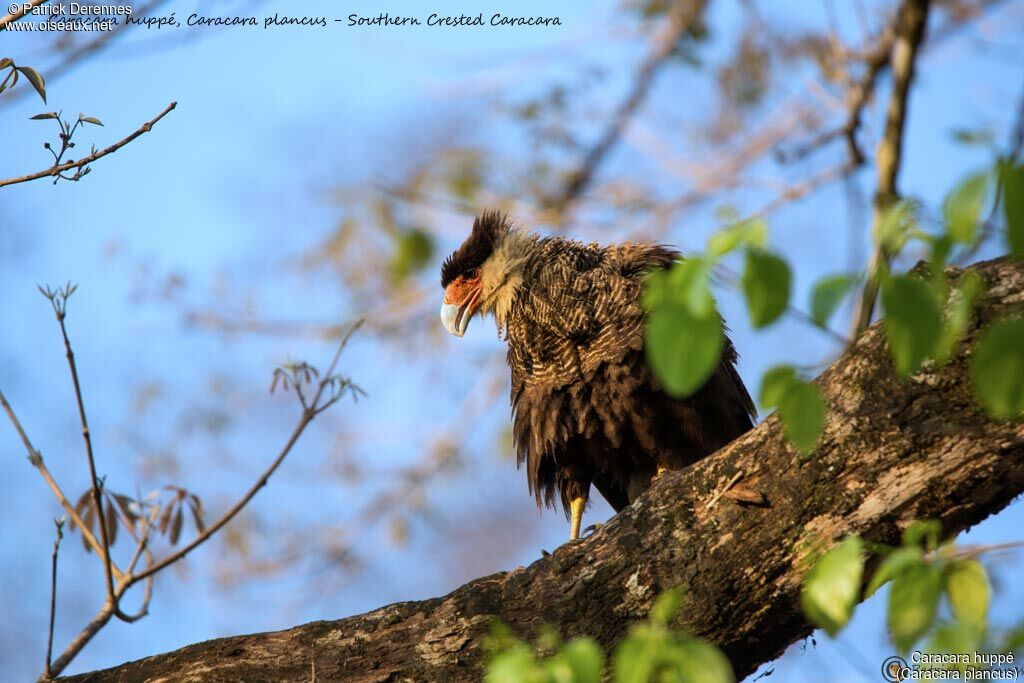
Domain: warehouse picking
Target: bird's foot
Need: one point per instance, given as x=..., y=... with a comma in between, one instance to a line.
x=590, y=530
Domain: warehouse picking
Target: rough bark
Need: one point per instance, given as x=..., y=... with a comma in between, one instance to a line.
x=894, y=450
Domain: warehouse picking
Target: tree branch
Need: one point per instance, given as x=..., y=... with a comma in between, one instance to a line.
x=56, y=170
x=36, y=458
x=894, y=450
x=94, y=482
x=910, y=26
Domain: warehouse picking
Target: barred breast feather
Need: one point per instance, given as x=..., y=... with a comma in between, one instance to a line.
x=586, y=406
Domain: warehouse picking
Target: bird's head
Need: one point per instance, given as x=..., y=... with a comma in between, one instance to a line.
x=482, y=274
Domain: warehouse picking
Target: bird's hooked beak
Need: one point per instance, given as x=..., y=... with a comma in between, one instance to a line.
x=461, y=300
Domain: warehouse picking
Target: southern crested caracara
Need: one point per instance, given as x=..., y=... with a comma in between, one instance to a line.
x=586, y=407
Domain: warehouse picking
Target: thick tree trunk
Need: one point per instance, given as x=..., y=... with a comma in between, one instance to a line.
x=894, y=450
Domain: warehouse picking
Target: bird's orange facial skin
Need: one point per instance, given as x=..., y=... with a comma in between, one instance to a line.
x=461, y=299
x=463, y=290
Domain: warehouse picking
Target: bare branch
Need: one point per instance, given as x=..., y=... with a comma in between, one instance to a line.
x=81, y=640
x=911, y=20
x=59, y=301
x=71, y=165
x=36, y=458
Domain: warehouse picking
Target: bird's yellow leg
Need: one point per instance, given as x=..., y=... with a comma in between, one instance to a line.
x=661, y=471
x=576, y=511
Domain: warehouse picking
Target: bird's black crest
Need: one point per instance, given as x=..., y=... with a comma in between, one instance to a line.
x=489, y=228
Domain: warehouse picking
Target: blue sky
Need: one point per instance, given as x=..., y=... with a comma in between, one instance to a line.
x=234, y=185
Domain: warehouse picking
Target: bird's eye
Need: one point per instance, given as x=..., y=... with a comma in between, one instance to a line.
x=470, y=274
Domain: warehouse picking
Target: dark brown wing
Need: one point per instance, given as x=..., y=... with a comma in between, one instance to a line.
x=577, y=318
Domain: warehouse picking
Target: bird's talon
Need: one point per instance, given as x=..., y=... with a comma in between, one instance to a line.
x=589, y=531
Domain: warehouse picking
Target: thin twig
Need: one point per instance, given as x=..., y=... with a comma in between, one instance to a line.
x=721, y=492
x=36, y=458
x=56, y=170
x=141, y=548
x=97, y=493
x=110, y=607
x=911, y=20
x=53, y=594
x=23, y=9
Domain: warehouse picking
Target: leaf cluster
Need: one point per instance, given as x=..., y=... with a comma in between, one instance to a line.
x=921, y=572
x=164, y=514
x=652, y=651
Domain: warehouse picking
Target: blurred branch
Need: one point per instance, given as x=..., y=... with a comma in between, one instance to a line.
x=679, y=24
x=911, y=21
x=71, y=165
x=23, y=9
x=875, y=60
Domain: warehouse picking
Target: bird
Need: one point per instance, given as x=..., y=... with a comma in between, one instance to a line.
x=587, y=409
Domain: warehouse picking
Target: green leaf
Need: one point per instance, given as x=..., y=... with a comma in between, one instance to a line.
x=413, y=251
x=966, y=136
x=752, y=233
x=997, y=367
x=896, y=224
x=827, y=294
x=802, y=412
x=584, y=660
x=968, y=591
x=801, y=408
x=775, y=384
x=514, y=665
x=686, y=283
x=1012, y=178
x=913, y=601
x=666, y=606
x=46, y=115
x=963, y=206
x=766, y=284
x=6, y=62
x=912, y=321
x=957, y=638
x=35, y=79
x=690, y=284
x=897, y=562
x=683, y=349
x=91, y=119
x=635, y=657
x=927, y=530
x=832, y=587
x=696, y=661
